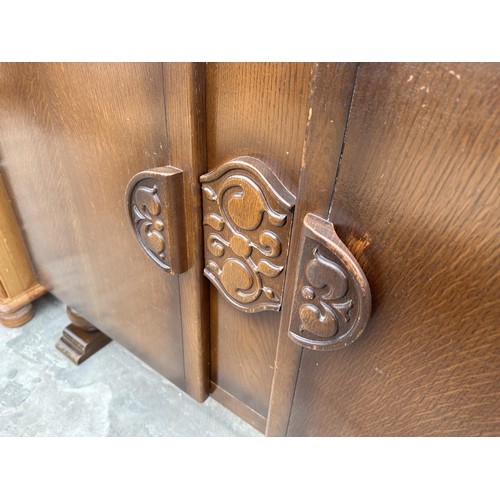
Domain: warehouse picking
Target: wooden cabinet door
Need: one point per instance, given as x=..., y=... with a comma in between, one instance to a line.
x=401, y=158
x=416, y=200
x=71, y=138
x=262, y=111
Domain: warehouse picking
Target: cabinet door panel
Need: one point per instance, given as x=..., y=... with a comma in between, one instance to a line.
x=71, y=137
x=257, y=110
x=417, y=203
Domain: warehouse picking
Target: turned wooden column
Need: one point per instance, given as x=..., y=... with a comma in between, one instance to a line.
x=80, y=339
x=18, y=284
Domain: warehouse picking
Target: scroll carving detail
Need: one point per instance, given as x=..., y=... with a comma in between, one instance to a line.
x=332, y=302
x=247, y=223
x=155, y=205
x=147, y=208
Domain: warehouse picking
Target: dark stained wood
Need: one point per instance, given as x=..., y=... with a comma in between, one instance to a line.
x=413, y=169
x=80, y=339
x=184, y=85
x=79, y=321
x=156, y=209
x=18, y=283
x=417, y=203
x=237, y=407
x=247, y=219
x=332, y=302
x=330, y=98
x=257, y=110
x=71, y=138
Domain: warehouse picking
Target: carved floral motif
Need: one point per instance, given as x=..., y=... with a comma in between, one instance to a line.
x=155, y=205
x=247, y=221
x=331, y=284
x=147, y=207
x=332, y=301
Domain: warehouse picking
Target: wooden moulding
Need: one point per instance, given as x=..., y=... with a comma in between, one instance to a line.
x=184, y=91
x=18, y=284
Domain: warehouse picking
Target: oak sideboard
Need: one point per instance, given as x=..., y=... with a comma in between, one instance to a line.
x=314, y=245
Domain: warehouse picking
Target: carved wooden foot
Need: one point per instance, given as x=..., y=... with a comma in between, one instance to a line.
x=80, y=339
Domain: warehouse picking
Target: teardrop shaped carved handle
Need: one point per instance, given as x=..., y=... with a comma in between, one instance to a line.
x=155, y=207
x=332, y=301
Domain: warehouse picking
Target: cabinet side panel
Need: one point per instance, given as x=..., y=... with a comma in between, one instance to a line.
x=417, y=203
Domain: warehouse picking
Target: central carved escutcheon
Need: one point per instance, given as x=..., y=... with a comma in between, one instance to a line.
x=247, y=223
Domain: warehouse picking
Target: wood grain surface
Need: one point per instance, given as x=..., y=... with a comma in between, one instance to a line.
x=403, y=159
x=184, y=85
x=329, y=103
x=71, y=137
x=16, y=271
x=257, y=110
x=417, y=203
x=332, y=302
x=237, y=407
x=18, y=282
x=247, y=220
x=157, y=213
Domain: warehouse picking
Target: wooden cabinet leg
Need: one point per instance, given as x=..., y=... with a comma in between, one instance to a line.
x=80, y=339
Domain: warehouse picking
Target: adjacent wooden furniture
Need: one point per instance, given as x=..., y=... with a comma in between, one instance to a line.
x=18, y=283
x=316, y=246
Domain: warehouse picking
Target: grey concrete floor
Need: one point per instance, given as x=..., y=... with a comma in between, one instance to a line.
x=113, y=393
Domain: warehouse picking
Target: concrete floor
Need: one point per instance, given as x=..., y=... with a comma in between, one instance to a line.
x=112, y=393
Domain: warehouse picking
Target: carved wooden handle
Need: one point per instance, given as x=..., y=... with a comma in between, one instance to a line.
x=155, y=207
x=332, y=302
